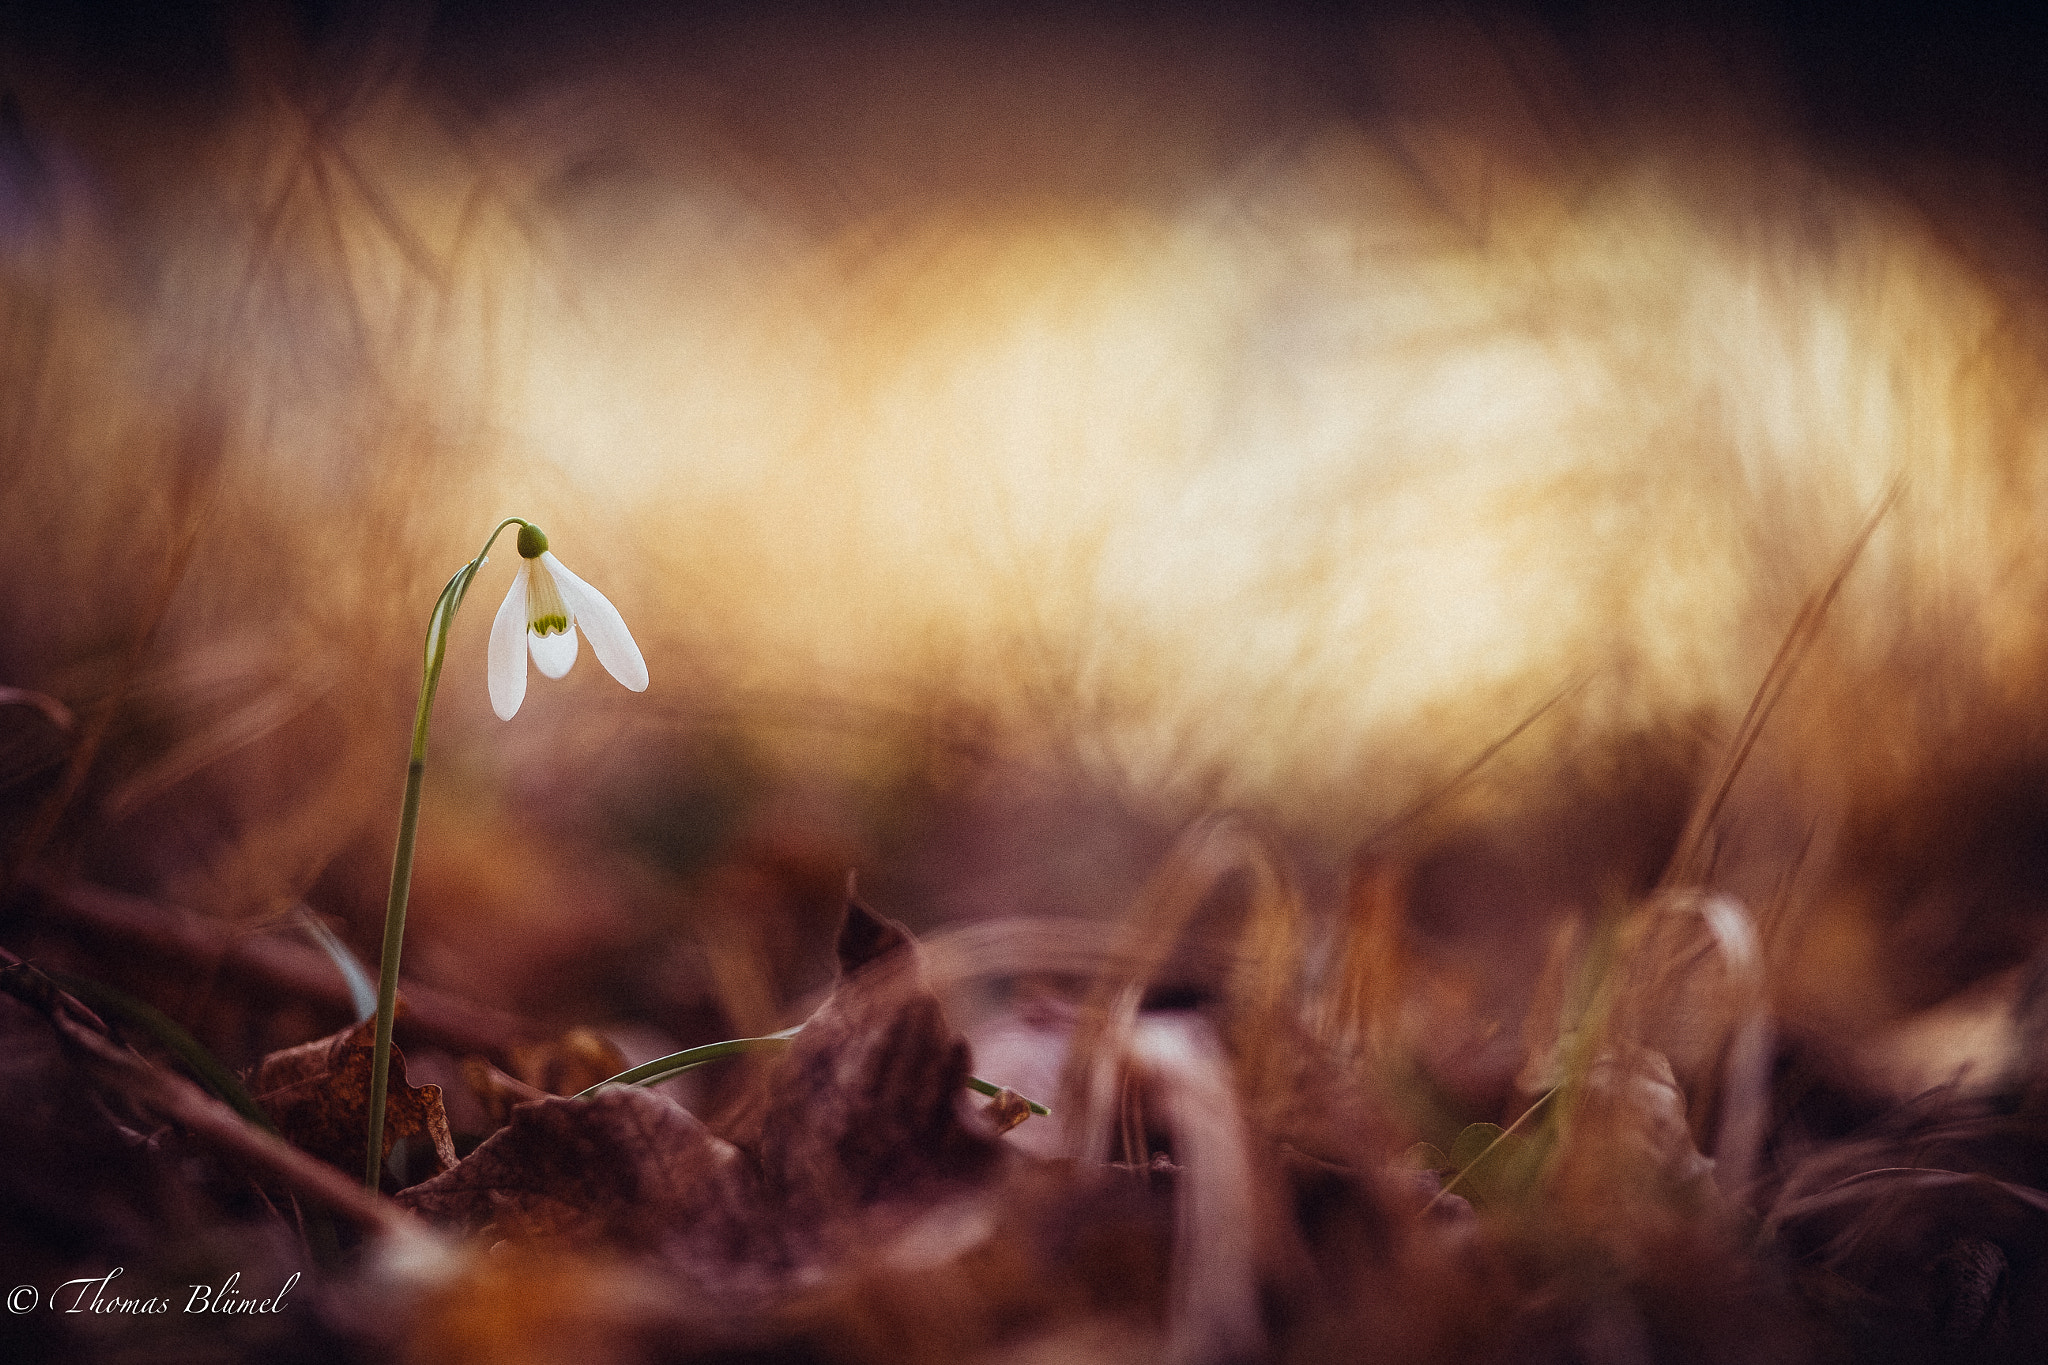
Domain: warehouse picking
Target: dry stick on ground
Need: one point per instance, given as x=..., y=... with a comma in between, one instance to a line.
x=276, y=965
x=179, y=1101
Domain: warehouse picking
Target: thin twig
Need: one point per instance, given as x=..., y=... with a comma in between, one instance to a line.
x=180, y=1102
x=275, y=965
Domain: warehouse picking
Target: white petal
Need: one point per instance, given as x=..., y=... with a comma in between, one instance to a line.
x=601, y=622
x=507, y=658
x=553, y=654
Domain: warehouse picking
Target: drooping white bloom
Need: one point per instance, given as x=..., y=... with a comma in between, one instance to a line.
x=541, y=614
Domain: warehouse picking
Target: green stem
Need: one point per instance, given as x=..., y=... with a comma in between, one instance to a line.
x=445, y=608
x=676, y=1063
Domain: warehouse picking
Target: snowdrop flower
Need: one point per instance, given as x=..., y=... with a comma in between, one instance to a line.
x=541, y=614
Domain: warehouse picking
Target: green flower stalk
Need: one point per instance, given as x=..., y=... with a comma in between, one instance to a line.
x=540, y=615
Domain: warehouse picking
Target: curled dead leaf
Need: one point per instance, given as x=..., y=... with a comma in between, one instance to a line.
x=569, y=1064
x=868, y=1103
x=625, y=1167
x=867, y=1109
x=318, y=1096
x=495, y=1091
x=1006, y=1110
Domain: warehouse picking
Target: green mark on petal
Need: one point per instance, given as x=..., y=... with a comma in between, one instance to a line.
x=546, y=613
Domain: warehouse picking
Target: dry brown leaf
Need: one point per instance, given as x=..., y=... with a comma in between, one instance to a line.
x=495, y=1091
x=626, y=1167
x=570, y=1064
x=318, y=1095
x=866, y=1108
x=1006, y=1110
x=868, y=1104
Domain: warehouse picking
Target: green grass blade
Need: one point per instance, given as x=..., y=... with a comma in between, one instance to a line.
x=676, y=1063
